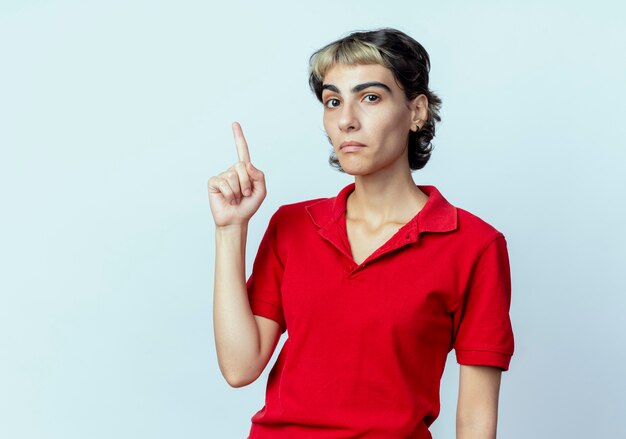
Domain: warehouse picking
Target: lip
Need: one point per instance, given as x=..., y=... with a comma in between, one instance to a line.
x=350, y=145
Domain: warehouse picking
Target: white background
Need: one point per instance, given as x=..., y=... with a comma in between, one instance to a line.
x=113, y=116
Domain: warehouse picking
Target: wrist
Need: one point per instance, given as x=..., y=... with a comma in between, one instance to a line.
x=231, y=229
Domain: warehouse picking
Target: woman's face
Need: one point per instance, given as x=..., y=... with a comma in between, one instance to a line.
x=364, y=104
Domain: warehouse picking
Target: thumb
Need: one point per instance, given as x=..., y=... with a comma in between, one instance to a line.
x=255, y=174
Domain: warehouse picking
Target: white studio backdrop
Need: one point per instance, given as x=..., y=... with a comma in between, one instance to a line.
x=113, y=116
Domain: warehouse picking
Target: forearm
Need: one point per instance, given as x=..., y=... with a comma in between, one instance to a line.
x=477, y=408
x=478, y=426
x=236, y=332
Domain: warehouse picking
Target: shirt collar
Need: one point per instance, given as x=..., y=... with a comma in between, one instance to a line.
x=437, y=215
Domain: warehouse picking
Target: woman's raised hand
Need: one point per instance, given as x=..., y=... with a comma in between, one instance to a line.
x=236, y=194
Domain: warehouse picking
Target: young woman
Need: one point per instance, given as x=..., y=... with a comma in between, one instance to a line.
x=375, y=285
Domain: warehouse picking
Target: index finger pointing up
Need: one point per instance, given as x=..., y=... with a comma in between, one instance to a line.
x=240, y=141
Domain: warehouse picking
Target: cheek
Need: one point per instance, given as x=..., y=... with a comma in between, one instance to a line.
x=329, y=127
x=395, y=126
x=326, y=123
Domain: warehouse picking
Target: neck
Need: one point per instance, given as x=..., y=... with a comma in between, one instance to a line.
x=385, y=197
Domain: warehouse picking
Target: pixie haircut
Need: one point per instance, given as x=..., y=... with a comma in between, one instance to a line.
x=408, y=61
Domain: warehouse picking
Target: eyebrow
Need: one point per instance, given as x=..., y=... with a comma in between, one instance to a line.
x=357, y=88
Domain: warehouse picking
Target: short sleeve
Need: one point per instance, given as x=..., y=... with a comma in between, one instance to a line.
x=485, y=334
x=266, y=277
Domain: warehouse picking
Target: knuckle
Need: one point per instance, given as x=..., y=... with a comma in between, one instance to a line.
x=224, y=185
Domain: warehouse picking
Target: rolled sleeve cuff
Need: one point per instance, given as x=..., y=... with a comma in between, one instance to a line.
x=268, y=310
x=483, y=358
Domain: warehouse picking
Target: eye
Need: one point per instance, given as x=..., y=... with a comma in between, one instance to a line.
x=331, y=103
x=367, y=97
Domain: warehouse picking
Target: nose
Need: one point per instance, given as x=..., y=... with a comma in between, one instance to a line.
x=348, y=120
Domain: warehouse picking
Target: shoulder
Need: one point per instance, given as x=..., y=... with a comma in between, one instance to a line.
x=293, y=216
x=298, y=209
x=301, y=206
x=291, y=224
x=467, y=229
x=316, y=211
x=476, y=230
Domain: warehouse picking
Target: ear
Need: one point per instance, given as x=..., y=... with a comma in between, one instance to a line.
x=419, y=111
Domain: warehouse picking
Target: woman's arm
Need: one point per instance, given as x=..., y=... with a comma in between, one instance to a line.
x=244, y=342
x=477, y=407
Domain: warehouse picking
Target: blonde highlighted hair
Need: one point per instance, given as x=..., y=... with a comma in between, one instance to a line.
x=408, y=61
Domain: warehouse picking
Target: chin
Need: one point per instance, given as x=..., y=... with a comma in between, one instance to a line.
x=363, y=166
x=355, y=168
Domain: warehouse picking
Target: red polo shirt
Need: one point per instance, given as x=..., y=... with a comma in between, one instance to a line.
x=367, y=343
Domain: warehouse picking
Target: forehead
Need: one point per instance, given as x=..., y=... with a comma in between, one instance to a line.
x=345, y=76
